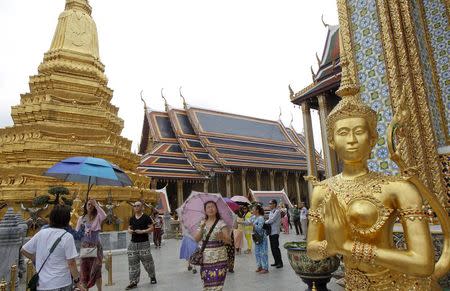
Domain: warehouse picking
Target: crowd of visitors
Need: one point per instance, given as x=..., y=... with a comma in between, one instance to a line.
x=54, y=253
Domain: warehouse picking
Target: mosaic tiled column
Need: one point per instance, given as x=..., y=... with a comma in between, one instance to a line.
x=297, y=188
x=328, y=154
x=205, y=186
x=272, y=180
x=180, y=197
x=244, y=182
x=228, y=185
x=285, y=182
x=258, y=180
x=309, y=138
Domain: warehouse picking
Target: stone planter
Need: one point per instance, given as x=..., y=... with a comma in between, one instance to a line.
x=318, y=272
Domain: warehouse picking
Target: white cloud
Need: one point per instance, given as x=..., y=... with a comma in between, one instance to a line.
x=236, y=56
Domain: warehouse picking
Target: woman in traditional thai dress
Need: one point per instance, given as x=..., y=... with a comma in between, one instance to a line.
x=91, y=267
x=215, y=259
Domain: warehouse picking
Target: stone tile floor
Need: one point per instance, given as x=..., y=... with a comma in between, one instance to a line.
x=172, y=273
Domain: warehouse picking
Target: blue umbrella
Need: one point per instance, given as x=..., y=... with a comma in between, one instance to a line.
x=89, y=170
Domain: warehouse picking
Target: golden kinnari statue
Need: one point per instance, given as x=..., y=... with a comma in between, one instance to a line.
x=353, y=213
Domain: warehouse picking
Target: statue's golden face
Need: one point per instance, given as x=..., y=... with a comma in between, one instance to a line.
x=352, y=140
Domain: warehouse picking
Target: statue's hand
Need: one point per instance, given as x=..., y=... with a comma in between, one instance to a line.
x=336, y=226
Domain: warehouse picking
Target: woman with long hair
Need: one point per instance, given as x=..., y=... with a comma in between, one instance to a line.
x=215, y=259
x=91, y=252
x=261, y=246
x=248, y=229
x=157, y=228
x=238, y=232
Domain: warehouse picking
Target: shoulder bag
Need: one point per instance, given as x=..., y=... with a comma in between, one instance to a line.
x=33, y=283
x=197, y=256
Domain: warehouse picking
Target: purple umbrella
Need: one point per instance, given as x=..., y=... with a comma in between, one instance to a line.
x=233, y=205
x=192, y=211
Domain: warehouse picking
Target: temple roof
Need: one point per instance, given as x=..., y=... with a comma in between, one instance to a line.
x=328, y=76
x=165, y=159
x=195, y=142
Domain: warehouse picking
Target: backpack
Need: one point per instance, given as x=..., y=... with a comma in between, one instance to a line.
x=267, y=228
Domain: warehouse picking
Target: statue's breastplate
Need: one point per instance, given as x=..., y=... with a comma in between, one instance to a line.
x=366, y=214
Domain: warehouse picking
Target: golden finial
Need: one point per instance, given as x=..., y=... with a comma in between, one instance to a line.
x=314, y=287
x=79, y=5
x=323, y=22
x=312, y=73
x=166, y=105
x=182, y=97
x=142, y=99
x=318, y=60
x=291, y=92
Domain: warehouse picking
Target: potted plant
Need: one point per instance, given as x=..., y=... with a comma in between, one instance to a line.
x=310, y=271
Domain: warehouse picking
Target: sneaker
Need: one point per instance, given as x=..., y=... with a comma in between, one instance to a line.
x=189, y=268
x=153, y=280
x=230, y=271
x=131, y=286
x=194, y=271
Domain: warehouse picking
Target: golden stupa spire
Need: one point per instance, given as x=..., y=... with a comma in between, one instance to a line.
x=76, y=30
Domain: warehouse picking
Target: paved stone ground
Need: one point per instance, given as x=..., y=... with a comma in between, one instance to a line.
x=172, y=273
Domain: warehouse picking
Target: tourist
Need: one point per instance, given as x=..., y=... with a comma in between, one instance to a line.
x=248, y=229
x=296, y=219
x=304, y=218
x=188, y=247
x=60, y=271
x=288, y=214
x=261, y=244
x=274, y=221
x=157, y=228
x=91, y=251
x=215, y=260
x=138, y=251
x=238, y=232
x=284, y=218
x=231, y=253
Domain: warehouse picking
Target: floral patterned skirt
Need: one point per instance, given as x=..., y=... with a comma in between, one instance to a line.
x=215, y=265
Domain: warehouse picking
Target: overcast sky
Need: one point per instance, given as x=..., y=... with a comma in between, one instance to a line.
x=235, y=56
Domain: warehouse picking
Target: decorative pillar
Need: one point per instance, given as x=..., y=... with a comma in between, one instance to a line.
x=153, y=183
x=272, y=180
x=244, y=182
x=258, y=180
x=228, y=185
x=297, y=188
x=310, y=151
x=205, y=186
x=329, y=155
x=180, y=196
x=285, y=182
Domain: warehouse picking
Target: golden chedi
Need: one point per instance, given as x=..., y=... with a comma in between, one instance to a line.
x=353, y=213
x=68, y=112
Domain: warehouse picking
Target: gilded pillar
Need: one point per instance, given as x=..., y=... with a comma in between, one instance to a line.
x=244, y=182
x=228, y=185
x=285, y=182
x=272, y=180
x=153, y=183
x=310, y=151
x=258, y=180
x=297, y=188
x=206, y=186
x=328, y=153
x=180, y=196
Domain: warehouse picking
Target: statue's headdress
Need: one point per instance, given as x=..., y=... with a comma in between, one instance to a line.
x=350, y=105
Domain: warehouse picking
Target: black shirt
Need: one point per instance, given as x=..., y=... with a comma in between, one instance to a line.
x=142, y=223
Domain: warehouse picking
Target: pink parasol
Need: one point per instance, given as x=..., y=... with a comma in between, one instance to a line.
x=192, y=211
x=240, y=199
x=233, y=205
